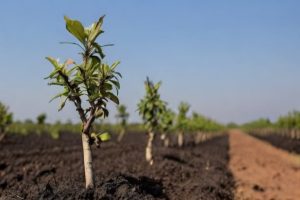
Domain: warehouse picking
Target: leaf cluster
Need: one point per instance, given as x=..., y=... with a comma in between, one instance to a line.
x=91, y=79
x=289, y=121
x=261, y=123
x=41, y=118
x=182, y=122
x=167, y=120
x=122, y=115
x=151, y=106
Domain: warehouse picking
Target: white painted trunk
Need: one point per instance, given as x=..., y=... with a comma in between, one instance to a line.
x=198, y=138
x=166, y=142
x=2, y=136
x=180, y=139
x=87, y=160
x=121, y=135
x=165, y=139
x=149, y=157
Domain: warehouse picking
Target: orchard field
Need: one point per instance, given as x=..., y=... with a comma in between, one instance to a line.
x=170, y=152
x=36, y=166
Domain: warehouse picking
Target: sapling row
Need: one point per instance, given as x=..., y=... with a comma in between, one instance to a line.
x=287, y=125
x=203, y=127
x=90, y=79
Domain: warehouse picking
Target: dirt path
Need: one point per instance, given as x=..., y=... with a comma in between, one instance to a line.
x=262, y=171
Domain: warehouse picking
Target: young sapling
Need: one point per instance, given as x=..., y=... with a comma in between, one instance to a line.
x=90, y=80
x=41, y=118
x=167, y=124
x=182, y=122
x=122, y=116
x=150, y=109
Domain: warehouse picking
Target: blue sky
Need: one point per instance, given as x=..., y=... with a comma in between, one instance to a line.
x=231, y=60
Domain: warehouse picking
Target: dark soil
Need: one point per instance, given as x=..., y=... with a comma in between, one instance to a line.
x=288, y=144
x=38, y=167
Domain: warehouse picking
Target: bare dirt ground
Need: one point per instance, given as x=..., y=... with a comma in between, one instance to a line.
x=262, y=171
x=38, y=167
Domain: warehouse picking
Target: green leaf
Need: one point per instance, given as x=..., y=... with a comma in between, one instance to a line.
x=116, y=83
x=65, y=93
x=107, y=86
x=95, y=62
x=112, y=97
x=99, y=113
x=73, y=43
x=94, y=97
x=96, y=30
x=157, y=85
x=105, y=111
x=76, y=29
x=99, y=50
x=56, y=83
x=104, y=137
x=52, y=74
x=54, y=62
x=119, y=74
x=62, y=105
x=94, y=135
x=114, y=65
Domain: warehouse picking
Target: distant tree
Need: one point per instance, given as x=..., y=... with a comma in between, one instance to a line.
x=261, y=123
x=122, y=116
x=58, y=122
x=28, y=121
x=182, y=123
x=232, y=125
x=41, y=118
x=90, y=80
x=69, y=122
x=150, y=109
x=6, y=119
x=290, y=124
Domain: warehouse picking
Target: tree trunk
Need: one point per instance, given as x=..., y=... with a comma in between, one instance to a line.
x=165, y=139
x=293, y=133
x=180, y=139
x=121, y=135
x=87, y=159
x=166, y=142
x=2, y=136
x=198, y=138
x=149, y=157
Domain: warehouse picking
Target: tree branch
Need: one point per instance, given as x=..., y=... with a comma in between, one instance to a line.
x=76, y=99
x=88, y=124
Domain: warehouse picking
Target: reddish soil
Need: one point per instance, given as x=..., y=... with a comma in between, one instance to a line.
x=37, y=167
x=262, y=171
x=288, y=144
